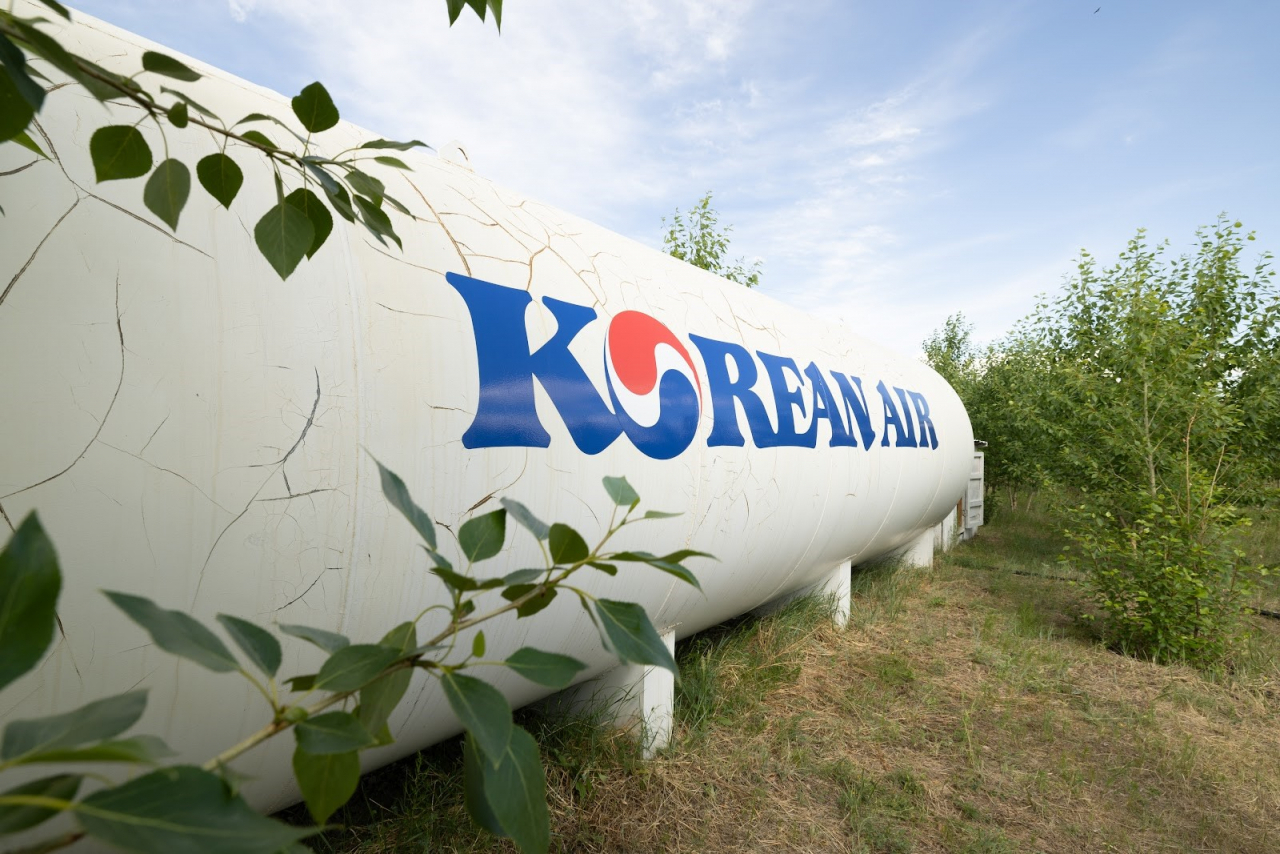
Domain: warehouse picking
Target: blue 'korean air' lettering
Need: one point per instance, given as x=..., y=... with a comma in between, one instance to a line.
x=506, y=415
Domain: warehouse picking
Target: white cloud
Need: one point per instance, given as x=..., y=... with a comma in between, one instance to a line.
x=866, y=171
x=554, y=106
x=240, y=9
x=680, y=38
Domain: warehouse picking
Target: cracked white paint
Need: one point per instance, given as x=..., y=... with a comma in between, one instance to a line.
x=194, y=430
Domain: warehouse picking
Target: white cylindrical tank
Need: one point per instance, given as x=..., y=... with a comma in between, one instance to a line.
x=191, y=428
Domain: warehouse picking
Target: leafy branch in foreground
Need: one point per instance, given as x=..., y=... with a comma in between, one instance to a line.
x=336, y=712
x=300, y=221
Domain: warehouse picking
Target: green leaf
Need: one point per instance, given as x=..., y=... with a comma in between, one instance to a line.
x=167, y=190
x=394, y=162
x=567, y=545
x=682, y=555
x=516, y=790
x=515, y=591
x=327, y=781
x=351, y=667
x=478, y=645
x=189, y=101
x=545, y=668
x=321, y=221
x=315, y=109
x=534, y=605
x=398, y=146
x=606, y=568
x=367, y=185
x=29, y=585
x=332, y=732
x=524, y=576
x=481, y=538
x=389, y=199
x=105, y=91
x=24, y=139
x=91, y=722
x=17, y=85
x=176, y=632
x=138, y=750
x=284, y=235
x=442, y=562
x=178, y=116
x=119, y=151
x=262, y=117
x=62, y=787
x=260, y=138
x=220, y=176
x=235, y=780
x=621, y=492
x=660, y=514
x=330, y=642
x=379, y=698
x=182, y=808
x=256, y=117
x=258, y=644
x=15, y=113
x=537, y=603
x=454, y=580
x=398, y=494
x=403, y=638
x=306, y=682
x=423, y=649
x=57, y=7
x=332, y=189
x=473, y=768
x=47, y=47
x=341, y=202
x=476, y=7
x=665, y=564
x=522, y=514
x=159, y=63
x=632, y=636
x=482, y=710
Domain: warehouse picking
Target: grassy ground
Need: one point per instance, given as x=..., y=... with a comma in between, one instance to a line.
x=1261, y=542
x=963, y=710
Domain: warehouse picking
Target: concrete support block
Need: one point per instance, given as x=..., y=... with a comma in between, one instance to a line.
x=636, y=698
x=947, y=532
x=838, y=585
x=919, y=552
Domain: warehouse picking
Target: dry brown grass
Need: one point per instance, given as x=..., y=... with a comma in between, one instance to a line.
x=961, y=711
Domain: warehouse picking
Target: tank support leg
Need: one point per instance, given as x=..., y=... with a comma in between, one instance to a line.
x=947, y=532
x=838, y=585
x=635, y=698
x=919, y=552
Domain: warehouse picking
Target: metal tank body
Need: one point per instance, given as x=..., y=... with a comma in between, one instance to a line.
x=191, y=428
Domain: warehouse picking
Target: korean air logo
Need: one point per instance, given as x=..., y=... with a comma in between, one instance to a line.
x=653, y=384
x=654, y=391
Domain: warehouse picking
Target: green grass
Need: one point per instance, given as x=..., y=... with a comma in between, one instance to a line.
x=965, y=709
x=1260, y=541
x=725, y=670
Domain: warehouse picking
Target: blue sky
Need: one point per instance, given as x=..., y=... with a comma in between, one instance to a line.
x=891, y=163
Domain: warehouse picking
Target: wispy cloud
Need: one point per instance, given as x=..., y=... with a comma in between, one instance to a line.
x=620, y=113
x=889, y=165
x=240, y=9
x=559, y=106
x=847, y=231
